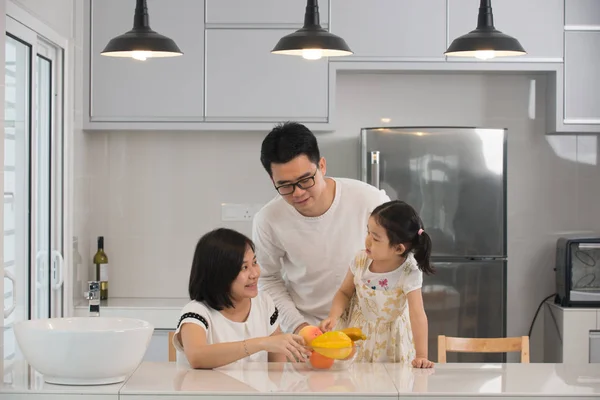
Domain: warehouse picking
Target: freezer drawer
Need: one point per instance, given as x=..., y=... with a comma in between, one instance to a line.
x=595, y=346
x=465, y=299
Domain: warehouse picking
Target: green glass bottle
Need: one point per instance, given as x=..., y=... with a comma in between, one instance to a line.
x=101, y=263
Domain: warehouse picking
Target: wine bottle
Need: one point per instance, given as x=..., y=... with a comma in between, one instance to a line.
x=101, y=263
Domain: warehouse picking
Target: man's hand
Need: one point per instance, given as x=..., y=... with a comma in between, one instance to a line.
x=302, y=325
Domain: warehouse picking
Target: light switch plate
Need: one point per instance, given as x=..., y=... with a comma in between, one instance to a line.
x=239, y=212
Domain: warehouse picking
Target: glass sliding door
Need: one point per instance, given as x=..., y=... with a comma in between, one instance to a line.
x=49, y=169
x=17, y=127
x=33, y=181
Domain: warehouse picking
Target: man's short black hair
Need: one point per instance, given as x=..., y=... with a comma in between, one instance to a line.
x=217, y=262
x=287, y=141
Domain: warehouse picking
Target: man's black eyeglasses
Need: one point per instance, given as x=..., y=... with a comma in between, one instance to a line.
x=304, y=183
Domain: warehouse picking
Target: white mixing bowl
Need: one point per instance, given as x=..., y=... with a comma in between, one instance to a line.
x=84, y=350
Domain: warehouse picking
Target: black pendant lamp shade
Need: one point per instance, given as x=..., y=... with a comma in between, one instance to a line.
x=141, y=42
x=311, y=41
x=485, y=41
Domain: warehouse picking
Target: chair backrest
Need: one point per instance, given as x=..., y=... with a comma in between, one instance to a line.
x=172, y=352
x=493, y=345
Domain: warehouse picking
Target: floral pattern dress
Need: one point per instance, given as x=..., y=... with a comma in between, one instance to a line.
x=381, y=311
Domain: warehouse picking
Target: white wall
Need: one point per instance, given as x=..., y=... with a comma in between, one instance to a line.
x=81, y=148
x=2, y=84
x=156, y=193
x=57, y=14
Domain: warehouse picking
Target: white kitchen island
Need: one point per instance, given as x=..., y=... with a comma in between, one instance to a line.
x=284, y=381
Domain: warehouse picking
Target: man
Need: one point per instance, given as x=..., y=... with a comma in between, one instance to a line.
x=307, y=236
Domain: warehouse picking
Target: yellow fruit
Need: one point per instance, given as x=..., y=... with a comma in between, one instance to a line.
x=332, y=340
x=334, y=344
x=336, y=354
x=354, y=334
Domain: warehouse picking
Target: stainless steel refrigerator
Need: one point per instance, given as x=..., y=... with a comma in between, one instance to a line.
x=456, y=180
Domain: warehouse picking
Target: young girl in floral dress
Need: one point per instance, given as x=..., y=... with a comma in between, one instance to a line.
x=382, y=289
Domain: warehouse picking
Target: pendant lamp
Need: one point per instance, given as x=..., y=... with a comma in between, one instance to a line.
x=141, y=42
x=311, y=41
x=485, y=41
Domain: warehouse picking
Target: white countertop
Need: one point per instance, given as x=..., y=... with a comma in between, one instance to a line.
x=20, y=378
x=485, y=380
x=362, y=381
x=260, y=379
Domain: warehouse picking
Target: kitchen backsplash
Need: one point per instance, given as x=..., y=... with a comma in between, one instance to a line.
x=153, y=194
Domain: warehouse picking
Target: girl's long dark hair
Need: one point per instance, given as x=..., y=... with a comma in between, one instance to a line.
x=404, y=226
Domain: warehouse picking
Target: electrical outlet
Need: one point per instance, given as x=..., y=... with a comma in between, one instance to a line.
x=239, y=212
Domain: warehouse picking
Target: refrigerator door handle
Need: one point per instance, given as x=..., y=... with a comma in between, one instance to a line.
x=375, y=169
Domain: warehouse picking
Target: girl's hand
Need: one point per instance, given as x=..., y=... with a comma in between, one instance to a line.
x=421, y=362
x=288, y=344
x=328, y=324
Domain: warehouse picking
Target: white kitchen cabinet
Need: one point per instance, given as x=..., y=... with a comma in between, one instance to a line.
x=248, y=83
x=391, y=29
x=567, y=333
x=537, y=24
x=160, y=89
x=261, y=12
x=576, y=106
x=158, y=349
x=582, y=12
x=582, y=80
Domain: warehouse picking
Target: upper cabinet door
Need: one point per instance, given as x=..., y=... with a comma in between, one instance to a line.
x=248, y=83
x=391, y=28
x=537, y=24
x=261, y=12
x=582, y=81
x=582, y=12
x=159, y=89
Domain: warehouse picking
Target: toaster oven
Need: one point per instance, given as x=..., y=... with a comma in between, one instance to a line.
x=578, y=271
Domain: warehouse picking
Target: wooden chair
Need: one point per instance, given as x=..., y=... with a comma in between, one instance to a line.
x=495, y=345
x=172, y=352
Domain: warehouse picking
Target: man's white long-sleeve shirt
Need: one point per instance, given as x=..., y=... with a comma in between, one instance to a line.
x=304, y=260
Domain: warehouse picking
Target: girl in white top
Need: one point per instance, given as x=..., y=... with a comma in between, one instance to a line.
x=383, y=284
x=227, y=319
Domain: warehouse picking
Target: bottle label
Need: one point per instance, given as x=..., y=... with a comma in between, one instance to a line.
x=104, y=272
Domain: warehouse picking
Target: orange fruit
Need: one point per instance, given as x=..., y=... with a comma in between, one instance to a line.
x=319, y=361
x=309, y=333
